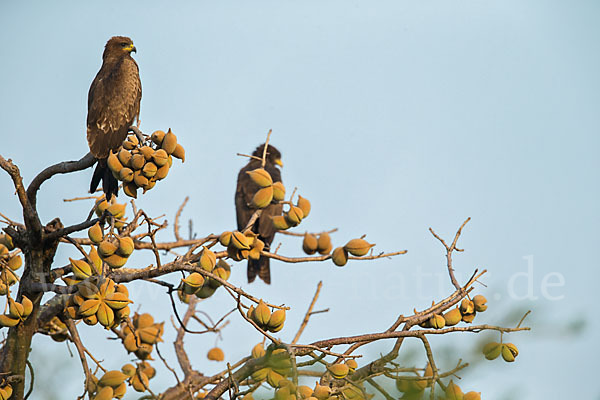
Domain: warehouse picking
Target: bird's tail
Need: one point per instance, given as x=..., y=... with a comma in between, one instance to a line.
x=110, y=185
x=261, y=268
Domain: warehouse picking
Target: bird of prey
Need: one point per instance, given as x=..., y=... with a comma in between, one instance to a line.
x=263, y=226
x=113, y=105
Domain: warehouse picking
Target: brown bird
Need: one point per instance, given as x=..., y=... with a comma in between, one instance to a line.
x=113, y=105
x=263, y=226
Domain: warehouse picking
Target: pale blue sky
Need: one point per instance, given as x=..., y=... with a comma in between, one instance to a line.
x=392, y=116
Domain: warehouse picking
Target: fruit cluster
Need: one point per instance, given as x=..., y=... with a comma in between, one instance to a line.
x=112, y=385
x=465, y=312
x=453, y=392
x=141, y=164
x=294, y=215
x=268, y=191
x=265, y=319
x=276, y=364
x=17, y=312
x=198, y=285
x=112, y=249
x=116, y=210
x=99, y=300
x=242, y=246
x=414, y=388
x=8, y=264
x=508, y=350
x=145, y=334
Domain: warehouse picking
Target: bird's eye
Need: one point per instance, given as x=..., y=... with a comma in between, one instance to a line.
x=123, y=44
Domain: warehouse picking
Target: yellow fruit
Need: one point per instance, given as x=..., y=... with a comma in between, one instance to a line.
x=150, y=185
x=124, y=157
x=101, y=206
x=338, y=371
x=115, y=261
x=113, y=163
x=309, y=244
x=263, y=197
x=139, y=382
x=276, y=320
x=117, y=300
x=149, y=169
x=352, y=364
x=14, y=263
x=260, y=374
x=117, y=210
x=261, y=177
x=358, y=247
x=294, y=215
x=273, y=378
x=89, y=307
x=192, y=283
x=437, y=322
x=453, y=317
x=162, y=172
x=453, y=392
x=324, y=243
x=120, y=288
x=126, y=246
x=169, y=142
x=472, y=396
x=112, y=378
x=468, y=318
x=130, y=189
x=179, y=152
x=126, y=175
x=9, y=277
x=467, y=306
x=262, y=314
x=509, y=352
x=216, y=354
x=278, y=191
x=225, y=238
x=8, y=321
x=339, y=256
x=105, y=315
x=305, y=392
x=157, y=137
x=81, y=269
x=137, y=162
x=321, y=392
x=492, y=350
x=257, y=247
x=7, y=241
x=95, y=233
x=160, y=157
x=120, y=391
x=147, y=370
x=147, y=152
x=304, y=205
x=6, y=392
x=258, y=351
x=143, y=320
x=280, y=222
x=88, y=290
x=208, y=260
x=122, y=314
x=106, y=249
x=479, y=302
x=105, y=393
x=240, y=241
x=130, y=343
x=150, y=334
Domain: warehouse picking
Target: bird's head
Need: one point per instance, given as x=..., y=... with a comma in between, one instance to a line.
x=118, y=46
x=273, y=155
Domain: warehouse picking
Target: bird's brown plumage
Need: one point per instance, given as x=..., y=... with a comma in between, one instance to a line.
x=113, y=105
x=245, y=190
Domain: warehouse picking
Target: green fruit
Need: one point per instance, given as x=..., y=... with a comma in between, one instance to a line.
x=453, y=317
x=338, y=371
x=479, y=302
x=492, y=350
x=509, y=352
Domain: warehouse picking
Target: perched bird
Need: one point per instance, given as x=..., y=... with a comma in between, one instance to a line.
x=113, y=105
x=263, y=226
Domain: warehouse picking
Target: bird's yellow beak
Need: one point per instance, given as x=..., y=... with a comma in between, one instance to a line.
x=131, y=48
x=279, y=162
